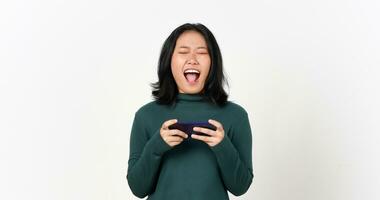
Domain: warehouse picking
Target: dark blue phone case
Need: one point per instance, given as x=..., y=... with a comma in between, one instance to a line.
x=187, y=127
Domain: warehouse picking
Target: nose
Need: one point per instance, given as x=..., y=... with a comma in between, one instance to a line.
x=192, y=59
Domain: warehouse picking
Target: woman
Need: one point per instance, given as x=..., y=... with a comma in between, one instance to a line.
x=169, y=164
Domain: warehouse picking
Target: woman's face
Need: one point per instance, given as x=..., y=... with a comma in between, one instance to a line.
x=190, y=63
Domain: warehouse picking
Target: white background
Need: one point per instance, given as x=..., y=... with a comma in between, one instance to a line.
x=72, y=74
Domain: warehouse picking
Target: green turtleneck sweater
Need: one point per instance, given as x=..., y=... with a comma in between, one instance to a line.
x=191, y=170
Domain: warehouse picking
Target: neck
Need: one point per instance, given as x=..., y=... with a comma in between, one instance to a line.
x=190, y=97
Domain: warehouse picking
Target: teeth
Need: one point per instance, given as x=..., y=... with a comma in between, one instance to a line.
x=191, y=71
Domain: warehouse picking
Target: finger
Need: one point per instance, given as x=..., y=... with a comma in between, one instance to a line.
x=200, y=137
x=204, y=130
x=168, y=123
x=180, y=133
x=175, y=143
x=175, y=139
x=217, y=124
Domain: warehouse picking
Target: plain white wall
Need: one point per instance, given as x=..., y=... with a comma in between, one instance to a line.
x=72, y=74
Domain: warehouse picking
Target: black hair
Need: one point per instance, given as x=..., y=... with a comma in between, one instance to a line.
x=165, y=89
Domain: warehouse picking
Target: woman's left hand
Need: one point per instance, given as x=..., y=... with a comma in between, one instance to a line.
x=214, y=138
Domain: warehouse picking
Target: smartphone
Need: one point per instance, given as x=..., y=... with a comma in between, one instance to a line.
x=187, y=127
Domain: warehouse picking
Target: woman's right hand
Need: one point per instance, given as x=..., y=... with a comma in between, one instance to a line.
x=172, y=137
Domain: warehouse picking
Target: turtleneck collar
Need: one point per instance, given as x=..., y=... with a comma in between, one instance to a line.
x=190, y=97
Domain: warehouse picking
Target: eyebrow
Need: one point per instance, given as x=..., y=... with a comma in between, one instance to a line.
x=189, y=47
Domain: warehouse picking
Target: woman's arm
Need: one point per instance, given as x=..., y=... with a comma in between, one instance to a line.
x=234, y=157
x=144, y=158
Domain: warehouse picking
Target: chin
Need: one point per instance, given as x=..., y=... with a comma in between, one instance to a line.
x=192, y=91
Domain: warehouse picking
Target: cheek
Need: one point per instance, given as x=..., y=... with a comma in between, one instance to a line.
x=176, y=69
x=175, y=72
x=205, y=61
x=207, y=71
x=176, y=61
x=206, y=68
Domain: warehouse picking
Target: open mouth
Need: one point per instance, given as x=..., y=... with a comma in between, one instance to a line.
x=191, y=75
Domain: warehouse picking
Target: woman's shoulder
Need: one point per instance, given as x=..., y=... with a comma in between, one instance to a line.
x=234, y=108
x=149, y=108
x=146, y=108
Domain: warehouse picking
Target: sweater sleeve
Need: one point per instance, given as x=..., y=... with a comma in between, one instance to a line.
x=144, y=158
x=234, y=157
